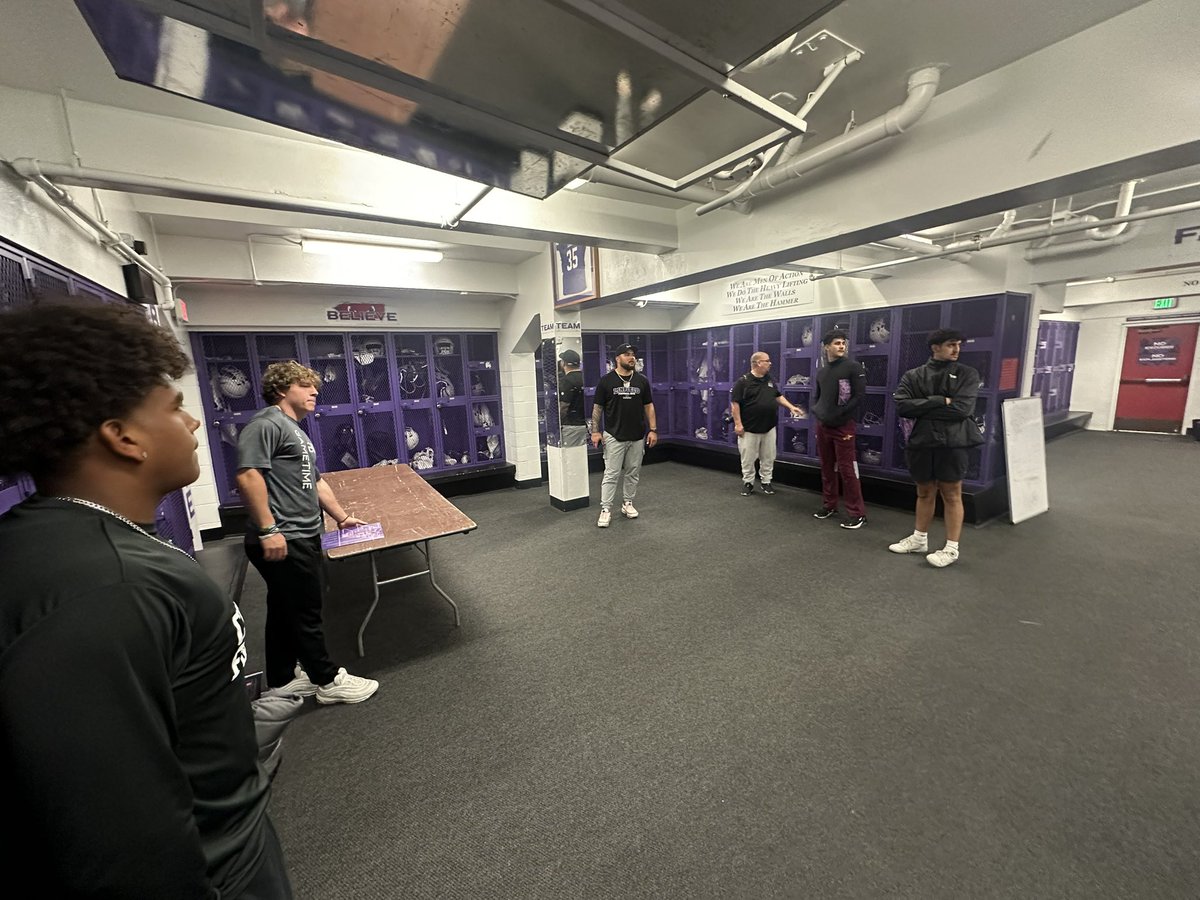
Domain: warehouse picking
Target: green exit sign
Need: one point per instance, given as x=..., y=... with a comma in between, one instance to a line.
x=1166, y=302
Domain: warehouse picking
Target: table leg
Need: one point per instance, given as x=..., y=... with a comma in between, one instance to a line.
x=374, y=603
x=436, y=586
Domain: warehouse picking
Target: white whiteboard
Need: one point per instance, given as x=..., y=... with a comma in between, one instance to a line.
x=1025, y=458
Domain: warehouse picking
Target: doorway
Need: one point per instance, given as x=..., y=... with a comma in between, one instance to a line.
x=1154, y=378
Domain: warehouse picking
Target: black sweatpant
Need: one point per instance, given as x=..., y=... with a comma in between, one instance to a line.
x=295, y=632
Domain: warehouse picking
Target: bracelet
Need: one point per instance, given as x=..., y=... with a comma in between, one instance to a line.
x=269, y=530
x=654, y=430
x=345, y=520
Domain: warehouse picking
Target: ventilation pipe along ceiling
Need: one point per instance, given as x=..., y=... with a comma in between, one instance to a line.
x=922, y=85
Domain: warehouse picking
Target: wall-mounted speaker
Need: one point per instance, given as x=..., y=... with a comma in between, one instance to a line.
x=139, y=286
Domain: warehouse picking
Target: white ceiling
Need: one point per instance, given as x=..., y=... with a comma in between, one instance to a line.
x=46, y=47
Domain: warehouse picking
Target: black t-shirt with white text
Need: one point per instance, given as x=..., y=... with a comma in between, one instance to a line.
x=624, y=402
x=759, y=402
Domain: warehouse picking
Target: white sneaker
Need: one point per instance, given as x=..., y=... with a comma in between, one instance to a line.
x=628, y=511
x=942, y=558
x=299, y=685
x=605, y=518
x=346, y=688
x=911, y=544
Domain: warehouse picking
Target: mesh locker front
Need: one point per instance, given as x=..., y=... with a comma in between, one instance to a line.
x=338, y=442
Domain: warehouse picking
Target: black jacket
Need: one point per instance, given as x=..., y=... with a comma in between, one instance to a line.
x=827, y=405
x=922, y=395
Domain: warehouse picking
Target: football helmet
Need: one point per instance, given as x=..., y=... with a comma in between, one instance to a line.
x=482, y=413
x=443, y=346
x=702, y=433
x=878, y=331
x=806, y=336
x=411, y=438
x=423, y=459
x=233, y=382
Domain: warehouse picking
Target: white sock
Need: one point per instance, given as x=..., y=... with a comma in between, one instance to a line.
x=923, y=535
x=952, y=545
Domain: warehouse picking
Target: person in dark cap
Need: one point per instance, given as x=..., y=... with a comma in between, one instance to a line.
x=623, y=397
x=572, y=423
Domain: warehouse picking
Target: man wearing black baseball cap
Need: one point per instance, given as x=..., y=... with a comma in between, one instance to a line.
x=572, y=423
x=623, y=396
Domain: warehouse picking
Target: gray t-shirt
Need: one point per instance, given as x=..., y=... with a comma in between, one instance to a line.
x=277, y=446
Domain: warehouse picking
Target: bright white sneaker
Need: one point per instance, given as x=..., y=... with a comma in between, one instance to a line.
x=942, y=558
x=628, y=510
x=299, y=685
x=605, y=518
x=911, y=544
x=346, y=688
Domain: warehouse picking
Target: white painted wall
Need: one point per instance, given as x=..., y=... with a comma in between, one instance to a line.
x=1098, y=358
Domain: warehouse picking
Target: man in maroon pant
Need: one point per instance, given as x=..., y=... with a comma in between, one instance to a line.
x=841, y=385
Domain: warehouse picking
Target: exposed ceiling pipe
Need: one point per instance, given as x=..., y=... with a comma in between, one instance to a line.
x=922, y=85
x=909, y=245
x=1124, y=204
x=694, y=194
x=786, y=153
x=1018, y=236
x=179, y=189
x=1085, y=245
x=1006, y=223
x=453, y=221
x=30, y=171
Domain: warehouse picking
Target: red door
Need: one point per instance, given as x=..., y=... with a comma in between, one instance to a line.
x=1154, y=378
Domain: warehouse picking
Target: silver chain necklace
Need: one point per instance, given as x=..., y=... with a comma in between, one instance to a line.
x=134, y=525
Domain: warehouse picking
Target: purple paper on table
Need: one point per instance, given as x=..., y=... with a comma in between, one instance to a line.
x=357, y=535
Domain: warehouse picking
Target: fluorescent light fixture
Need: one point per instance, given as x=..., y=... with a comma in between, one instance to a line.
x=356, y=251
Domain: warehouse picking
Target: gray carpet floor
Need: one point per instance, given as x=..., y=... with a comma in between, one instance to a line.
x=728, y=698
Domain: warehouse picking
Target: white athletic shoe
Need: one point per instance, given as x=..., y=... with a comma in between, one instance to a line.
x=628, y=510
x=942, y=558
x=605, y=518
x=300, y=685
x=911, y=544
x=346, y=688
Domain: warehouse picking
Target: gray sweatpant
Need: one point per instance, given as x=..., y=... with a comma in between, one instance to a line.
x=759, y=447
x=620, y=457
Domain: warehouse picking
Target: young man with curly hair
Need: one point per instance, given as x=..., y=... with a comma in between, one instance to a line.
x=126, y=739
x=284, y=493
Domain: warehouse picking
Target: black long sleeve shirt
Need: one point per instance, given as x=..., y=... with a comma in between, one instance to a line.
x=841, y=386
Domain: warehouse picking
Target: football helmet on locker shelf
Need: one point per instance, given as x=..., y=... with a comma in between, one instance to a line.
x=233, y=382
x=878, y=331
x=411, y=438
x=443, y=346
x=482, y=413
x=423, y=459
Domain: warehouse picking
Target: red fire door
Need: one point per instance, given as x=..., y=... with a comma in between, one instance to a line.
x=1154, y=378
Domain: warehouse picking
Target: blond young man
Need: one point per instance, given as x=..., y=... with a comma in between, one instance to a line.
x=280, y=481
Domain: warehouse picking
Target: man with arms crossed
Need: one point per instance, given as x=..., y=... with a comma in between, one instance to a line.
x=623, y=396
x=754, y=402
x=841, y=385
x=940, y=397
x=284, y=493
x=127, y=746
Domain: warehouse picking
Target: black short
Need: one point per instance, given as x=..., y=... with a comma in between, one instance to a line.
x=927, y=464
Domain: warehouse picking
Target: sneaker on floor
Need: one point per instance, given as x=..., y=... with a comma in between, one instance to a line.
x=824, y=513
x=766, y=488
x=300, y=685
x=911, y=544
x=747, y=489
x=854, y=522
x=942, y=558
x=605, y=518
x=628, y=510
x=346, y=688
